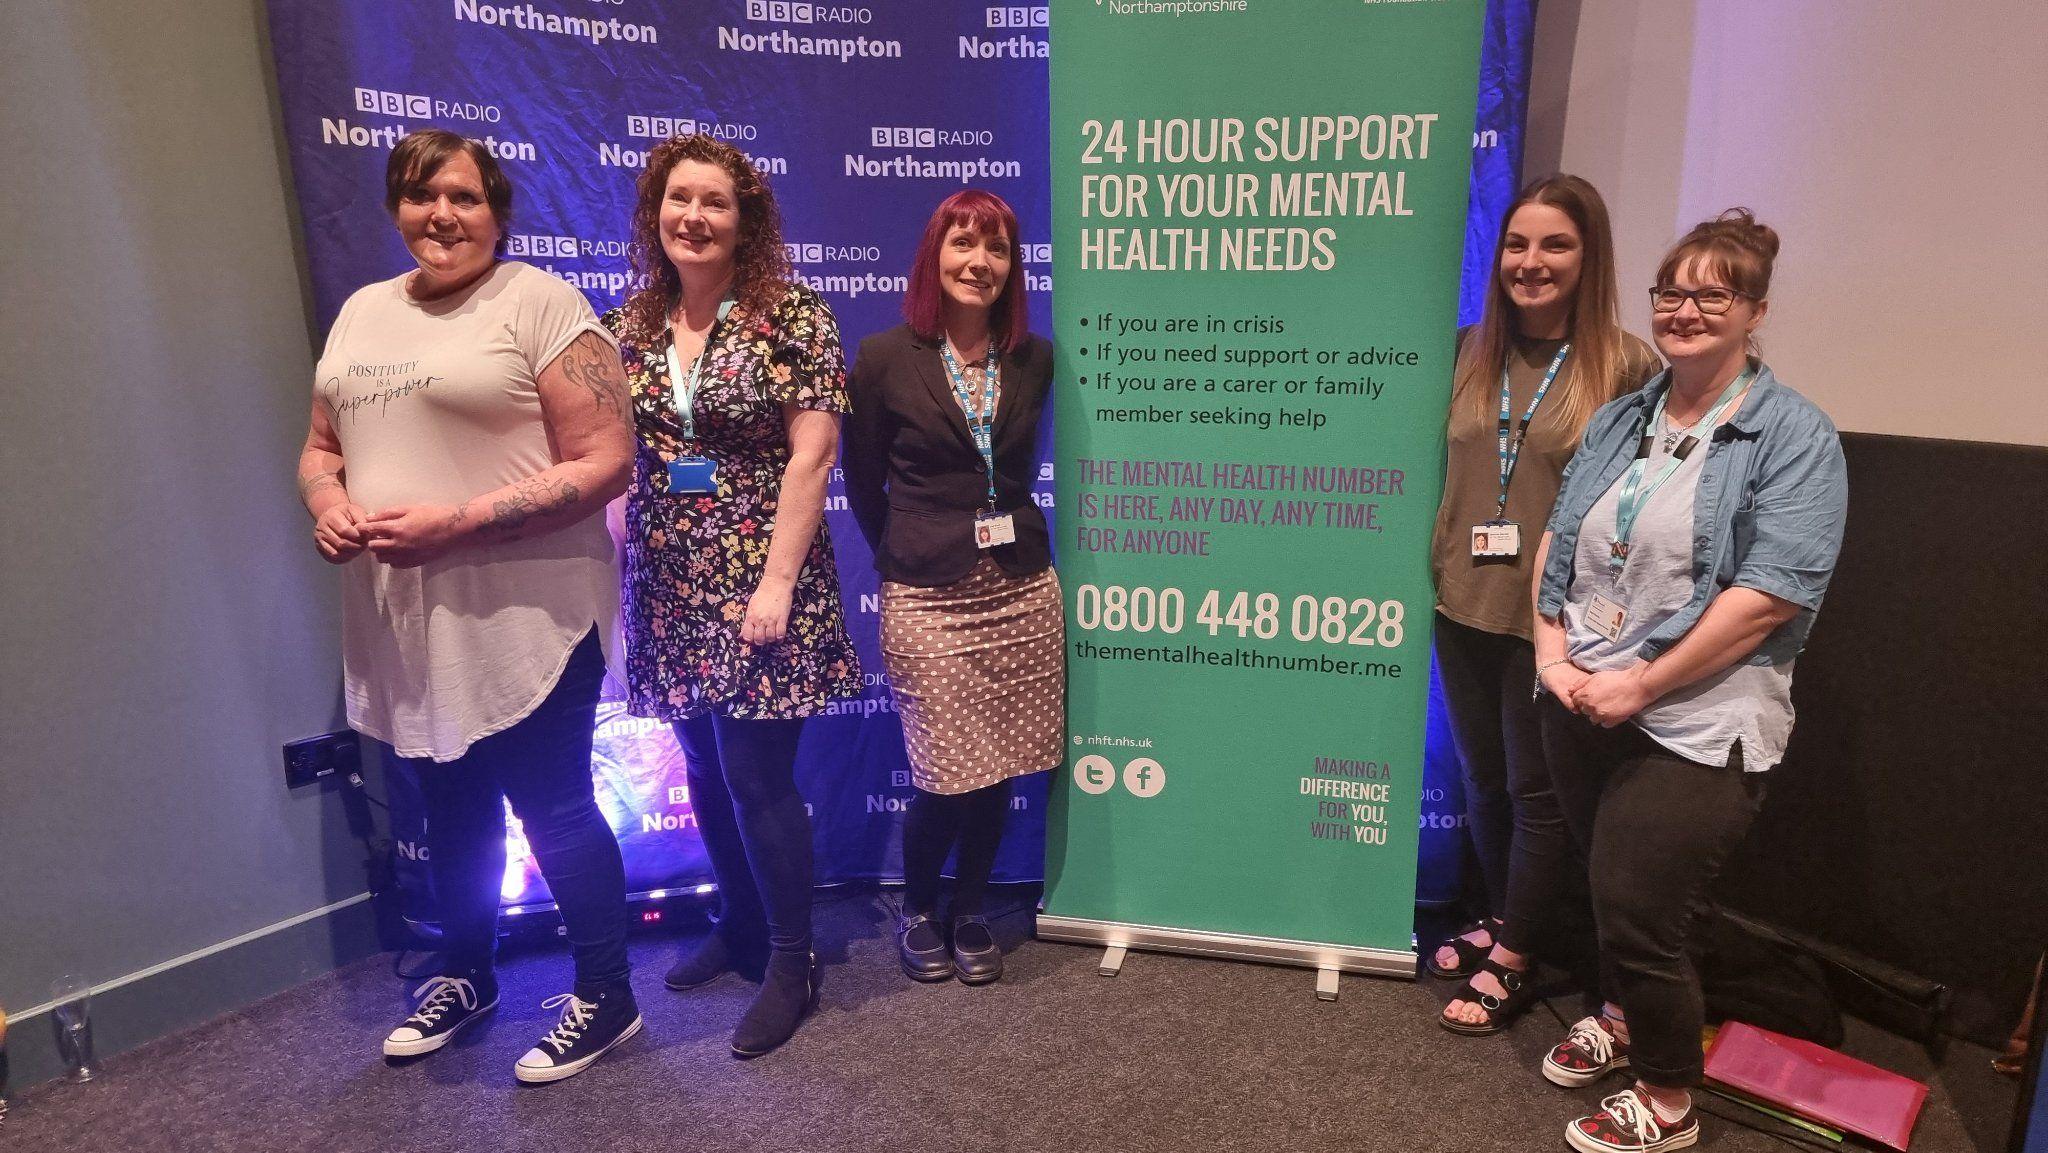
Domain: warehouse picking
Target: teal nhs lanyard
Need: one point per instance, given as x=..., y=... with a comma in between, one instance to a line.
x=683, y=391
x=980, y=411
x=1634, y=493
x=1511, y=450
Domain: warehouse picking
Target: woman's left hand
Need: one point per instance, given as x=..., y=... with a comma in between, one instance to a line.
x=407, y=536
x=767, y=619
x=1609, y=698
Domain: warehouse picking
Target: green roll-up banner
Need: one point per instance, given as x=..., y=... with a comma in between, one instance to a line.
x=1258, y=218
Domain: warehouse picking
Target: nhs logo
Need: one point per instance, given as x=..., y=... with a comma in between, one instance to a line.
x=1017, y=16
x=541, y=247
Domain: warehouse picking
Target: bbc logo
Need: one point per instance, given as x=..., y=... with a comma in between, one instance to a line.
x=1017, y=16
x=392, y=103
x=899, y=778
x=806, y=253
x=902, y=137
x=1035, y=253
x=544, y=247
x=679, y=794
x=780, y=11
x=660, y=127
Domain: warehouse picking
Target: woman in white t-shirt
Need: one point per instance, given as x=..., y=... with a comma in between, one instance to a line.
x=469, y=424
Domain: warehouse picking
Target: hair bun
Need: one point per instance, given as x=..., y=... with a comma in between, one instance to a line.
x=1740, y=225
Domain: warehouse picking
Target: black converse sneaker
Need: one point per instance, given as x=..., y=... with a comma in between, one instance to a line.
x=444, y=1005
x=588, y=1030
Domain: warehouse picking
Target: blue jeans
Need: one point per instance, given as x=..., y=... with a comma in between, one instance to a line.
x=542, y=766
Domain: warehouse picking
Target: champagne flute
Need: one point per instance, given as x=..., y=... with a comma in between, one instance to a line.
x=72, y=1015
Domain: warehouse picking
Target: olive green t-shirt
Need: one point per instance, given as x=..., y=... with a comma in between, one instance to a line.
x=1493, y=593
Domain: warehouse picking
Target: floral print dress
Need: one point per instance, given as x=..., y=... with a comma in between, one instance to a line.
x=693, y=561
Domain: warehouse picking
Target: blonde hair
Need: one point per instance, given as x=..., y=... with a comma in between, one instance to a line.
x=1595, y=370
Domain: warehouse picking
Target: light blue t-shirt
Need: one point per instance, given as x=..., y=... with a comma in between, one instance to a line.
x=1700, y=721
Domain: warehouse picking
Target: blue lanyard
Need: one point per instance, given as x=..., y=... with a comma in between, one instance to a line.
x=980, y=411
x=1634, y=495
x=1511, y=451
x=683, y=391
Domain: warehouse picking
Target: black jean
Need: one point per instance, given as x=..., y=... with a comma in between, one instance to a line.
x=755, y=827
x=936, y=823
x=1656, y=829
x=542, y=766
x=1526, y=857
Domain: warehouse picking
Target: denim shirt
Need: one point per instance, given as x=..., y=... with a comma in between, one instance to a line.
x=1773, y=495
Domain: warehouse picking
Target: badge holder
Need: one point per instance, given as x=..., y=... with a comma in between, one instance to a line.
x=1497, y=538
x=692, y=476
x=994, y=528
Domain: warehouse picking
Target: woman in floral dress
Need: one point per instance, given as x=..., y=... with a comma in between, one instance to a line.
x=734, y=629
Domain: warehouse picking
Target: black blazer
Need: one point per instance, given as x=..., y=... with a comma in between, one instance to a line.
x=913, y=477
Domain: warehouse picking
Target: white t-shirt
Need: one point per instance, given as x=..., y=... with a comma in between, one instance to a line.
x=434, y=403
x=1700, y=721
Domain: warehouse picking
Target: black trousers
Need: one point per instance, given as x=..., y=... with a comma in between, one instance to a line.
x=1526, y=857
x=1656, y=829
x=542, y=766
x=755, y=825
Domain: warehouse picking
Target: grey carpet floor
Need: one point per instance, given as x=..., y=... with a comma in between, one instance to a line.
x=1174, y=1054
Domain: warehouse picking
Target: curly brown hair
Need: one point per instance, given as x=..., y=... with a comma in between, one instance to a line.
x=761, y=274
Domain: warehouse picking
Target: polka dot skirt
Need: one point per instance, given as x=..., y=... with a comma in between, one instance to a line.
x=978, y=669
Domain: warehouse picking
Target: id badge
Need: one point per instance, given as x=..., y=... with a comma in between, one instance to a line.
x=1606, y=617
x=1497, y=538
x=994, y=528
x=692, y=476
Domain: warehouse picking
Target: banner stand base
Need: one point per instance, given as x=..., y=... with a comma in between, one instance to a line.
x=1326, y=984
x=1329, y=959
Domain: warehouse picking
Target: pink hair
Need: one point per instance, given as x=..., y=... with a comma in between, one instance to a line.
x=985, y=213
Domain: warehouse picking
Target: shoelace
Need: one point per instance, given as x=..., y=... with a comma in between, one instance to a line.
x=1634, y=1117
x=440, y=993
x=575, y=1018
x=1598, y=1043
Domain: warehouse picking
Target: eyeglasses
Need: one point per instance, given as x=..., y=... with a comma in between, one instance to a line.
x=1710, y=301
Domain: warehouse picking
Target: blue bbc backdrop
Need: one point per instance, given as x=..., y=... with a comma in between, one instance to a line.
x=862, y=119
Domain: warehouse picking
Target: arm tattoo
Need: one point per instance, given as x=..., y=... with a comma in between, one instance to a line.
x=319, y=481
x=591, y=365
x=530, y=498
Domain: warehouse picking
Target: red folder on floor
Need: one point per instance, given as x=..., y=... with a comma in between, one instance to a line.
x=1817, y=1082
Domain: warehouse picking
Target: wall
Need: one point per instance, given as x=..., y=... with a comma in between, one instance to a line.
x=1896, y=148
x=168, y=624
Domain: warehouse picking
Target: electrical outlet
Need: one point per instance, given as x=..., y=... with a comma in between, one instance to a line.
x=315, y=759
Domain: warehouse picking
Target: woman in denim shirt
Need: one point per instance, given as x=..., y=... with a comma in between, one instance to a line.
x=1691, y=543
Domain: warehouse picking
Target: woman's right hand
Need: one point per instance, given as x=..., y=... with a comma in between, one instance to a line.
x=339, y=533
x=1562, y=680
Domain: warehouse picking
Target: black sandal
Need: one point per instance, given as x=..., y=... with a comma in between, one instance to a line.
x=1500, y=1011
x=1469, y=954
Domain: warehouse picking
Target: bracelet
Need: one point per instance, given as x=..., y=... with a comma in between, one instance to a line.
x=1551, y=665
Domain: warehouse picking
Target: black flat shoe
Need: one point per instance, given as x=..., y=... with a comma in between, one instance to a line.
x=976, y=956
x=922, y=949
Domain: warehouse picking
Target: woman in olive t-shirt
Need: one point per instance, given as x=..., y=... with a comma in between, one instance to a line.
x=1548, y=351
